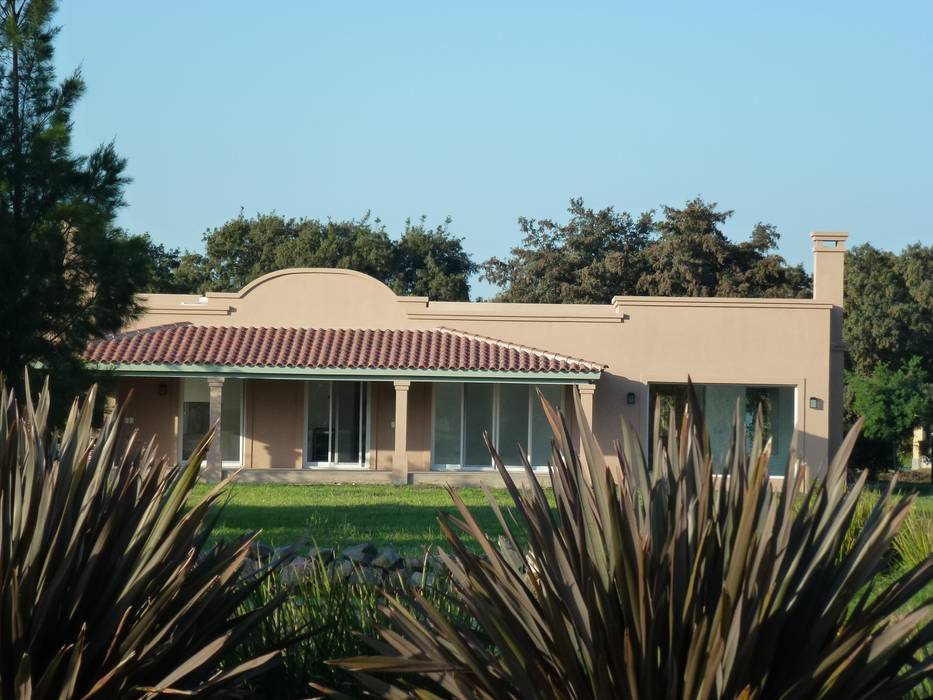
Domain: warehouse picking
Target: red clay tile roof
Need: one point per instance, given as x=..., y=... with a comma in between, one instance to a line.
x=320, y=348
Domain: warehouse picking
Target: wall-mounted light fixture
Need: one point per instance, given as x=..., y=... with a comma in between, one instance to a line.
x=630, y=398
x=163, y=389
x=816, y=404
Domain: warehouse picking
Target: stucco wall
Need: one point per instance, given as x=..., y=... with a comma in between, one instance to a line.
x=151, y=412
x=274, y=424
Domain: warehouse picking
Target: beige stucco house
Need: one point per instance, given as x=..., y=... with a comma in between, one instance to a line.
x=327, y=375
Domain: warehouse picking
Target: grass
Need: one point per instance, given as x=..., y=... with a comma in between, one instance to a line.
x=404, y=518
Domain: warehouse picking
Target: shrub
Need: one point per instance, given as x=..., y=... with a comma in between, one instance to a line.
x=107, y=586
x=324, y=616
x=668, y=582
x=914, y=542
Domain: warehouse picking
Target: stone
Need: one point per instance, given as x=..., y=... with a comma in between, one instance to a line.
x=282, y=552
x=360, y=553
x=369, y=575
x=339, y=570
x=261, y=552
x=387, y=559
x=324, y=554
x=249, y=568
x=420, y=580
x=413, y=563
x=297, y=569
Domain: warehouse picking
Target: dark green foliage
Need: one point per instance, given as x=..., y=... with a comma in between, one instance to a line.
x=332, y=616
x=593, y=257
x=430, y=263
x=888, y=330
x=424, y=261
x=108, y=587
x=889, y=307
x=671, y=583
x=892, y=403
x=67, y=274
x=600, y=254
x=692, y=257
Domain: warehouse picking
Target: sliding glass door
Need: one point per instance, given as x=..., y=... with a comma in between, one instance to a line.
x=336, y=423
x=510, y=413
x=196, y=418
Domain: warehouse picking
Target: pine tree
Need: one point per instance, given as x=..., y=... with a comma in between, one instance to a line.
x=67, y=273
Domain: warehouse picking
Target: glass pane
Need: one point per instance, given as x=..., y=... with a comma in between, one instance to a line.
x=477, y=417
x=777, y=407
x=347, y=406
x=196, y=391
x=670, y=396
x=720, y=402
x=447, y=423
x=196, y=420
x=541, y=435
x=318, y=447
x=364, y=397
x=231, y=420
x=513, y=422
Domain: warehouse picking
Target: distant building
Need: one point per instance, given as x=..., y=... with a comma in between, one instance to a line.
x=327, y=375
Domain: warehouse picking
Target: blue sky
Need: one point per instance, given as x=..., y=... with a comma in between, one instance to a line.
x=805, y=115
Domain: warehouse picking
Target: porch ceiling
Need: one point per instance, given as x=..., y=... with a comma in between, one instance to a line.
x=439, y=353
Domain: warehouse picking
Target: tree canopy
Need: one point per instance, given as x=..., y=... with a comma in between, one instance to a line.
x=599, y=254
x=889, y=307
x=67, y=273
x=423, y=261
x=892, y=401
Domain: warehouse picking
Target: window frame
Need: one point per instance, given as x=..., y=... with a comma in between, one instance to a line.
x=364, y=422
x=181, y=422
x=496, y=409
x=798, y=426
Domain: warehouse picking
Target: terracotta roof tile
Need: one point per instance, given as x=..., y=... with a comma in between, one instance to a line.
x=326, y=348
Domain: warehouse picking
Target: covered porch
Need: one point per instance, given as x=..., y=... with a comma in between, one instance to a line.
x=320, y=405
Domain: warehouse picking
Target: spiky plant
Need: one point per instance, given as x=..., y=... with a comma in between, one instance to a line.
x=668, y=582
x=107, y=585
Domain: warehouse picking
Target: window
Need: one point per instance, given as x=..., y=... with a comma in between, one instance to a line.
x=336, y=423
x=196, y=418
x=510, y=413
x=719, y=403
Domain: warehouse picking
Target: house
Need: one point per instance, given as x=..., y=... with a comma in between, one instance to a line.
x=326, y=375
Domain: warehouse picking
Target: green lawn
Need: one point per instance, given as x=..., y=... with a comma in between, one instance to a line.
x=404, y=518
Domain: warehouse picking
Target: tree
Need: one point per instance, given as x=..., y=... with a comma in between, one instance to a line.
x=889, y=307
x=432, y=263
x=600, y=254
x=424, y=261
x=888, y=328
x=171, y=271
x=67, y=273
x=593, y=257
x=693, y=257
x=892, y=402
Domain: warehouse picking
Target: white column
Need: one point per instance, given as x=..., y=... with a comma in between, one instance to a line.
x=213, y=471
x=400, y=456
x=586, y=392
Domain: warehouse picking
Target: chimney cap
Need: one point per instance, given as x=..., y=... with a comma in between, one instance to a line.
x=829, y=241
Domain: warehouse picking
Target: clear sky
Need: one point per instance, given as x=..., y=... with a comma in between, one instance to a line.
x=801, y=114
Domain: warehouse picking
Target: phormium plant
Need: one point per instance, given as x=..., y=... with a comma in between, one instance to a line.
x=668, y=582
x=108, y=587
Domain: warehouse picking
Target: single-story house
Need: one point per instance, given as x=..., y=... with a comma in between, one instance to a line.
x=327, y=375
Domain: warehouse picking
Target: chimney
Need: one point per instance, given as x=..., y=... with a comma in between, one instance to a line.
x=829, y=261
x=829, y=256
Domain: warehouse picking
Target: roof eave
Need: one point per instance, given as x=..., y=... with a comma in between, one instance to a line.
x=344, y=373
